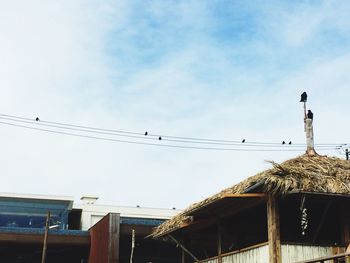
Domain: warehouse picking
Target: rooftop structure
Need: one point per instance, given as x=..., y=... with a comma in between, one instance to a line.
x=293, y=211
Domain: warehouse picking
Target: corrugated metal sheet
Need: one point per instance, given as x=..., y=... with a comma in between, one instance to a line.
x=290, y=254
x=254, y=255
x=295, y=253
x=105, y=240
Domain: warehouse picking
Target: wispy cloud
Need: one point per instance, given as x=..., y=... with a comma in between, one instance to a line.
x=222, y=69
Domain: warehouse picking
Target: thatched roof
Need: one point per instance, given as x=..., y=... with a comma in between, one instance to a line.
x=316, y=173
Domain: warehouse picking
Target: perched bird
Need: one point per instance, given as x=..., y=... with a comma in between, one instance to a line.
x=303, y=97
x=290, y=142
x=159, y=138
x=283, y=142
x=37, y=119
x=146, y=133
x=243, y=141
x=310, y=115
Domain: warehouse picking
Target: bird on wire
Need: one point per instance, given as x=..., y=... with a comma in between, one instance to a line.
x=290, y=142
x=146, y=133
x=303, y=97
x=310, y=115
x=37, y=119
x=243, y=141
x=160, y=138
x=283, y=142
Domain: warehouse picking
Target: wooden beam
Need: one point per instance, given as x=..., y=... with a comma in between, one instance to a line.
x=114, y=235
x=261, y=195
x=345, y=219
x=273, y=230
x=323, y=217
x=219, y=242
x=183, y=247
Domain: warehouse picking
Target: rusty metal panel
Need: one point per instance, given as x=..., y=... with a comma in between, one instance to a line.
x=105, y=240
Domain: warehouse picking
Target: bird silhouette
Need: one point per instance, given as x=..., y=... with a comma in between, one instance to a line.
x=146, y=133
x=283, y=142
x=310, y=115
x=159, y=138
x=243, y=141
x=290, y=142
x=37, y=119
x=303, y=97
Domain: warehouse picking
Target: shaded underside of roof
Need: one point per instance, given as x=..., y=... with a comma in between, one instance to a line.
x=318, y=174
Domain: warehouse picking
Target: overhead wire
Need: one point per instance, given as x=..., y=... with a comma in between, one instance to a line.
x=169, y=138
x=143, y=137
x=152, y=144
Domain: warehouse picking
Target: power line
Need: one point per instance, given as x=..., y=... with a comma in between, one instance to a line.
x=143, y=137
x=152, y=144
x=138, y=135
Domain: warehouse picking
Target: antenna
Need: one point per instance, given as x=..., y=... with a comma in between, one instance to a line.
x=308, y=127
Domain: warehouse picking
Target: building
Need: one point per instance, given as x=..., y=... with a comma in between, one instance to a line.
x=22, y=227
x=297, y=210
x=83, y=233
x=121, y=221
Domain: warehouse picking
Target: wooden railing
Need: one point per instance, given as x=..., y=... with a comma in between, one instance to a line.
x=335, y=258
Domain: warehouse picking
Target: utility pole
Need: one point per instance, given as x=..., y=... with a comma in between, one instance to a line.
x=347, y=154
x=308, y=127
x=45, y=237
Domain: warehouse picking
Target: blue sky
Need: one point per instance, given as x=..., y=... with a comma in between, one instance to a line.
x=217, y=69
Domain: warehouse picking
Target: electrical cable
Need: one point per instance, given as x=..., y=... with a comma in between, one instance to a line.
x=155, y=144
x=38, y=123
x=169, y=138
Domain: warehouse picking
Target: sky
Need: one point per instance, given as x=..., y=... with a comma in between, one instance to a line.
x=225, y=70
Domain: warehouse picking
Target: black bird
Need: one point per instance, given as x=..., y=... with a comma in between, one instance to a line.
x=290, y=142
x=303, y=97
x=146, y=133
x=310, y=115
x=243, y=141
x=37, y=119
x=283, y=142
x=159, y=138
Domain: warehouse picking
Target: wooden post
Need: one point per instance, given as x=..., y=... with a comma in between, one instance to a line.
x=273, y=230
x=43, y=257
x=345, y=219
x=114, y=235
x=219, y=243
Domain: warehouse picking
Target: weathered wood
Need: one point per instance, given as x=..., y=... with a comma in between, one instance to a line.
x=345, y=219
x=219, y=242
x=320, y=224
x=273, y=230
x=183, y=247
x=322, y=259
x=43, y=257
x=114, y=234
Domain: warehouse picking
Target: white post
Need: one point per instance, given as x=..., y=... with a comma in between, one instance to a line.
x=310, y=150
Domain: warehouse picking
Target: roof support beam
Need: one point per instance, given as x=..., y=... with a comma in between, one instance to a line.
x=323, y=217
x=273, y=230
x=183, y=248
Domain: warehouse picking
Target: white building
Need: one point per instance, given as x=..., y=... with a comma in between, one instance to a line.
x=92, y=212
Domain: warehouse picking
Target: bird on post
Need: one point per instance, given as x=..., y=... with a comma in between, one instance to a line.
x=310, y=115
x=303, y=97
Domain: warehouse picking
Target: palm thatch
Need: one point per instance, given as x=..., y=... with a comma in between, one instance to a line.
x=320, y=174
